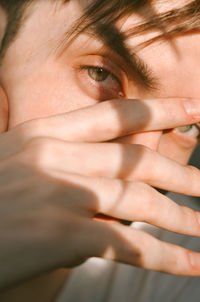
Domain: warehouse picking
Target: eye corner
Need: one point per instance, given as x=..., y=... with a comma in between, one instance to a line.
x=187, y=136
x=99, y=81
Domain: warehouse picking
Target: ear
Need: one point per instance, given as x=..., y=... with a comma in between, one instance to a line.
x=3, y=111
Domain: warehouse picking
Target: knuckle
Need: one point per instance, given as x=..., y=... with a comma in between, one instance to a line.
x=188, y=259
x=38, y=151
x=175, y=260
x=142, y=257
x=150, y=208
x=146, y=170
x=194, y=179
x=146, y=206
x=137, y=251
x=28, y=130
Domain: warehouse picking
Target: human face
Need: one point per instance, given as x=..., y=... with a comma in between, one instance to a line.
x=40, y=83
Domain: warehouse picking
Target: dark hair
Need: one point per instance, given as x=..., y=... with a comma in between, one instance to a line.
x=14, y=10
x=101, y=16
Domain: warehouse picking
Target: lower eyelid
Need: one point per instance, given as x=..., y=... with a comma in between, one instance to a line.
x=96, y=89
x=184, y=140
x=192, y=131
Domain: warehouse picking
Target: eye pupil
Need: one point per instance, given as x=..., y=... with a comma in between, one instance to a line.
x=98, y=74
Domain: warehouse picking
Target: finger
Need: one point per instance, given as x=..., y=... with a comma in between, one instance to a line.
x=134, y=202
x=111, y=119
x=140, y=202
x=129, y=162
x=112, y=241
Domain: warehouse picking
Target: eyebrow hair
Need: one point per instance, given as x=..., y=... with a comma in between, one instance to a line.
x=115, y=41
x=102, y=15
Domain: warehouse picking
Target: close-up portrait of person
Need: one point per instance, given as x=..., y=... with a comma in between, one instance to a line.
x=99, y=118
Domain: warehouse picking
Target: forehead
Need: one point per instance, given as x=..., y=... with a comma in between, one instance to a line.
x=48, y=21
x=56, y=17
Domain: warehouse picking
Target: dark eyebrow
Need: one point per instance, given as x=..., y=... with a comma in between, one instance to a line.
x=115, y=41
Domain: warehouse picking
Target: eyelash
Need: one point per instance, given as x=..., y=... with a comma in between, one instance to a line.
x=97, y=88
x=102, y=68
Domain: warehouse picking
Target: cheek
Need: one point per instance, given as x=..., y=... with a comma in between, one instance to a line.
x=43, y=95
x=170, y=146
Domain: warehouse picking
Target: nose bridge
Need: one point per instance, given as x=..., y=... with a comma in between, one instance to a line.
x=149, y=139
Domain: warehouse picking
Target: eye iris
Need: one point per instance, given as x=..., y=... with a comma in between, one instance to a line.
x=184, y=128
x=98, y=74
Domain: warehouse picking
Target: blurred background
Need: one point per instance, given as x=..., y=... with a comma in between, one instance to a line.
x=195, y=160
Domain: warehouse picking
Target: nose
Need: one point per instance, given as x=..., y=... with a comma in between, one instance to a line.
x=149, y=139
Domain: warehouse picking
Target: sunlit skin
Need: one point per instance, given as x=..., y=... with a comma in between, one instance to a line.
x=41, y=81
x=31, y=71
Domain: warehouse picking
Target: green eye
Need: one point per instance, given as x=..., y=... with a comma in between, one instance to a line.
x=190, y=130
x=98, y=74
x=185, y=129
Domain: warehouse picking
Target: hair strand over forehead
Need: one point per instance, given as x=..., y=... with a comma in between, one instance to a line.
x=102, y=14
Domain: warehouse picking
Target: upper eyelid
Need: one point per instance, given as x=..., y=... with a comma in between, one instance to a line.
x=105, y=62
x=99, y=89
x=106, y=69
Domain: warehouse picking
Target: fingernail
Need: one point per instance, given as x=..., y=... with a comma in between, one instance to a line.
x=192, y=107
x=194, y=259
